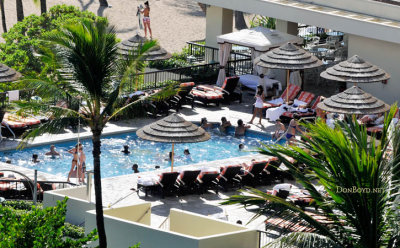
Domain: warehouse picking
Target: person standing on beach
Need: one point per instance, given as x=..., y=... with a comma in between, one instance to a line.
x=146, y=19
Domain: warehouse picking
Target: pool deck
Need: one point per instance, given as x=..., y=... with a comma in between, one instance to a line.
x=117, y=190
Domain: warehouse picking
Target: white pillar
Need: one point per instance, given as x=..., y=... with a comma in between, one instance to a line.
x=218, y=21
x=286, y=26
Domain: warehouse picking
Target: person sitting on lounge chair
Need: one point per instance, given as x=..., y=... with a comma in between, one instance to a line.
x=241, y=128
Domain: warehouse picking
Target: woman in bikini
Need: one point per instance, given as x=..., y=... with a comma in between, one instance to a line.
x=146, y=19
x=74, y=163
x=293, y=127
x=82, y=164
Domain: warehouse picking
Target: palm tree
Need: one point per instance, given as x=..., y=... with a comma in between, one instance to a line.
x=361, y=181
x=20, y=10
x=103, y=3
x=88, y=52
x=3, y=16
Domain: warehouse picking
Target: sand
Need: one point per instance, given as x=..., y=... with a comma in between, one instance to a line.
x=173, y=22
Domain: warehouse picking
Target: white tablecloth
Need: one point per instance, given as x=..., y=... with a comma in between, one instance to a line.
x=252, y=81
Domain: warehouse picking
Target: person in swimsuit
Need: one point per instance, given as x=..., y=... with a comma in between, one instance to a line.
x=82, y=164
x=279, y=129
x=52, y=152
x=241, y=128
x=293, y=126
x=258, y=106
x=146, y=19
x=74, y=163
x=224, y=125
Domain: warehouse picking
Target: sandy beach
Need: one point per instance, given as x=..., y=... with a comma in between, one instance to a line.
x=173, y=22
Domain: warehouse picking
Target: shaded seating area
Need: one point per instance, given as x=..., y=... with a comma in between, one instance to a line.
x=183, y=96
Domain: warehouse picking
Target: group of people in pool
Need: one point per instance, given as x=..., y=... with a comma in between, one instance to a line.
x=240, y=129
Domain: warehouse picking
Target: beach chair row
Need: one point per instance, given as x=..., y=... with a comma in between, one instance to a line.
x=200, y=181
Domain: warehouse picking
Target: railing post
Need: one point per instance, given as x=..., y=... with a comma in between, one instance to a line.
x=89, y=185
x=155, y=80
x=35, y=188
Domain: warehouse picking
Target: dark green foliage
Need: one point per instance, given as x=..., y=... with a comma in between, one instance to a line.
x=24, y=38
x=178, y=60
x=21, y=205
x=72, y=231
x=37, y=228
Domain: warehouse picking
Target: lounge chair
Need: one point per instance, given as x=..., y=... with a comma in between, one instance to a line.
x=288, y=115
x=282, y=194
x=288, y=94
x=253, y=176
x=229, y=177
x=187, y=181
x=166, y=185
x=214, y=94
x=271, y=173
x=183, y=96
x=206, y=181
x=304, y=100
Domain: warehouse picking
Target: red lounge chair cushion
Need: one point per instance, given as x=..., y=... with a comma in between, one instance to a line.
x=306, y=97
x=187, y=84
x=207, y=94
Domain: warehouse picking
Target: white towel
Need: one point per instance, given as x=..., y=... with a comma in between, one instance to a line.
x=13, y=95
x=295, y=78
x=274, y=113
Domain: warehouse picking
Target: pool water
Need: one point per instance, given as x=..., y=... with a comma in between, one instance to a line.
x=146, y=154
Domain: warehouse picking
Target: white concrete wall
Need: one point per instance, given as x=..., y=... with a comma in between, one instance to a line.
x=312, y=14
x=369, y=7
x=218, y=21
x=140, y=213
x=123, y=234
x=385, y=55
x=198, y=225
x=77, y=205
x=187, y=230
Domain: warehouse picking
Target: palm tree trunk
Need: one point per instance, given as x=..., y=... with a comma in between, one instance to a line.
x=97, y=188
x=20, y=10
x=3, y=16
x=103, y=3
x=240, y=23
x=43, y=6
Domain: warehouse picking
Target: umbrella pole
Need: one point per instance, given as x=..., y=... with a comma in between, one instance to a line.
x=287, y=86
x=172, y=159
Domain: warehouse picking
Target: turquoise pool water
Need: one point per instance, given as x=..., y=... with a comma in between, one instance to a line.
x=146, y=154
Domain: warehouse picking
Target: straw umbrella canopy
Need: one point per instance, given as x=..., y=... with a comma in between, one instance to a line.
x=355, y=70
x=353, y=101
x=173, y=129
x=288, y=57
x=8, y=74
x=156, y=53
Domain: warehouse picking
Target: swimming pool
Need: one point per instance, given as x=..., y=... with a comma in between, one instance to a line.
x=146, y=154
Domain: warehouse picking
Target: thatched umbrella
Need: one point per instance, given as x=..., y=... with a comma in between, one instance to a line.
x=288, y=57
x=173, y=129
x=353, y=101
x=8, y=74
x=355, y=70
x=156, y=53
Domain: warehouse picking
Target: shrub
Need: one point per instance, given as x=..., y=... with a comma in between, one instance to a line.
x=37, y=228
x=24, y=38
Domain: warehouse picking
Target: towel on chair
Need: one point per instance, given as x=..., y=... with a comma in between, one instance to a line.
x=13, y=95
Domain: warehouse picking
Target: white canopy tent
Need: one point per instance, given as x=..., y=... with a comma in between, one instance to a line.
x=259, y=39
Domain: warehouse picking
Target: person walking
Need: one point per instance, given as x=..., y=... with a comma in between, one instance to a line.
x=258, y=106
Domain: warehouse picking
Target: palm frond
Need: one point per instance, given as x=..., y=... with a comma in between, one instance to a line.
x=303, y=240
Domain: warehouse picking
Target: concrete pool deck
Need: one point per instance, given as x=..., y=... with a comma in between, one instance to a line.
x=117, y=190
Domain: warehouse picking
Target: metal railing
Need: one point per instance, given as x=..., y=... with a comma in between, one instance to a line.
x=199, y=73
x=199, y=52
x=21, y=189
x=264, y=238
